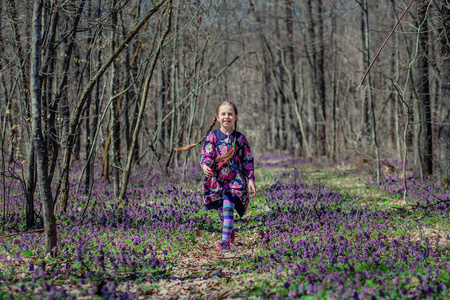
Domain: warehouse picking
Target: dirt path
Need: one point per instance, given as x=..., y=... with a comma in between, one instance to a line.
x=203, y=272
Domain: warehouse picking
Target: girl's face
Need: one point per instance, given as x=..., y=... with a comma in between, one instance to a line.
x=226, y=117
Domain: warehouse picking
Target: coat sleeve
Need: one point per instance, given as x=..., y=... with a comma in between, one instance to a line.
x=208, y=154
x=247, y=159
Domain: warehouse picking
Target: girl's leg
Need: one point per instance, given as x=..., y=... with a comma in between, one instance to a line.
x=228, y=219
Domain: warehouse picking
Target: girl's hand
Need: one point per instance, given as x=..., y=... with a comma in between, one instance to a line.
x=208, y=171
x=252, y=188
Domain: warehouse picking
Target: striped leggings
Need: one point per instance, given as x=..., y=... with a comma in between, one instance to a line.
x=226, y=214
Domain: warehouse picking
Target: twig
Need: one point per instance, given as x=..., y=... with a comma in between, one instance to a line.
x=404, y=140
x=384, y=44
x=432, y=204
x=23, y=232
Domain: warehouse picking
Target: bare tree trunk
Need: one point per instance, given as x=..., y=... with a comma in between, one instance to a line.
x=30, y=186
x=264, y=60
x=292, y=80
x=50, y=106
x=87, y=91
x=106, y=152
x=63, y=95
x=174, y=72
x=40, y=145
x=87, y=116
x=96, y=126
x=278, y=77
x=195, y=100
x=313, y=111
x=159, y=109
x=6, y=120
x=365, y=62
x=24, y=81
x=63, y=89
x=396, y=53
x=115, y=107
x=131, y=73
x=127, y=170
x=444, y=127
x=370, y=96
x=334, y=84
x=424, y=133
x=78, y=78
x=320, y=67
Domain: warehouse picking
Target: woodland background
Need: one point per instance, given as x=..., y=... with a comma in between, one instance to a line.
x=124, y=82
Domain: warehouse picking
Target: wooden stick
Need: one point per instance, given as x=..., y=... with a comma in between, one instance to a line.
x=384, y=44
x=23, y=232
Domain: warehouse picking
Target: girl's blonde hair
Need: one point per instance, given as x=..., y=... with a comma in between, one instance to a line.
x=225, y=158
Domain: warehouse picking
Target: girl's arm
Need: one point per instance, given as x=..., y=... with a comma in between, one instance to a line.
x=247, y=160
x=208, y=154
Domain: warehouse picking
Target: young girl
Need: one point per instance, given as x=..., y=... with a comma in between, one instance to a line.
x=227, y=162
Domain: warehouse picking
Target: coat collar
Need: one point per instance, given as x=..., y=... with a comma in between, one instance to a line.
x=220, y=135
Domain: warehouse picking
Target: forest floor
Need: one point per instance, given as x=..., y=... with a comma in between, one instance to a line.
x=314, y=230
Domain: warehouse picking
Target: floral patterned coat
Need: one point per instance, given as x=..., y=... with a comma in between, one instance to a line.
x=231, y=178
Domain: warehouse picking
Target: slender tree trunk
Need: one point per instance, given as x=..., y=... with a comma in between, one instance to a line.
x=320, y=67
x=267, y=87
x=313, y=111
x=173, y=82
x=159, y=109
x=365, y=63
x=142, y=105
x=444, y=127
x=51, y=106
x=40, y=145
x=280, y=115
x=397, y=100
x=63, y=95
x=424, y=133
x=106, y=152
x=292, y=80
x=87, y=91
x=115, y=107
x=87, y=116
x=63, y=89
x=30, y=186
x=78, y=77
x=334, y=84
x=96, y=126
x=370, y=96
x=24, y=80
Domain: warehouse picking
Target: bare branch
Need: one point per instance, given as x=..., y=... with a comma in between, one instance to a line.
x=384, y=44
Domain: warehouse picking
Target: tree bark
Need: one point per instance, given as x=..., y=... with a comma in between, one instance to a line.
x=63, y=96
x=320, y=67
x=30, y=186
x=24, y=102
x=424, y=134
x=335, y=79
x=142, y=104
x=63, y=88
x=87, y=91
x=313, y=112
x=369, y=92
x=365, y=62
x=40, y=146
x=444, y=127
x=115, y=109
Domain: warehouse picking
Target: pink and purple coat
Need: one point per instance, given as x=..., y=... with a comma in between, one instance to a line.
x=230, y=179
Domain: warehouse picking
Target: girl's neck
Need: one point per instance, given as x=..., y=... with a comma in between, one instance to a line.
x=226, y=131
